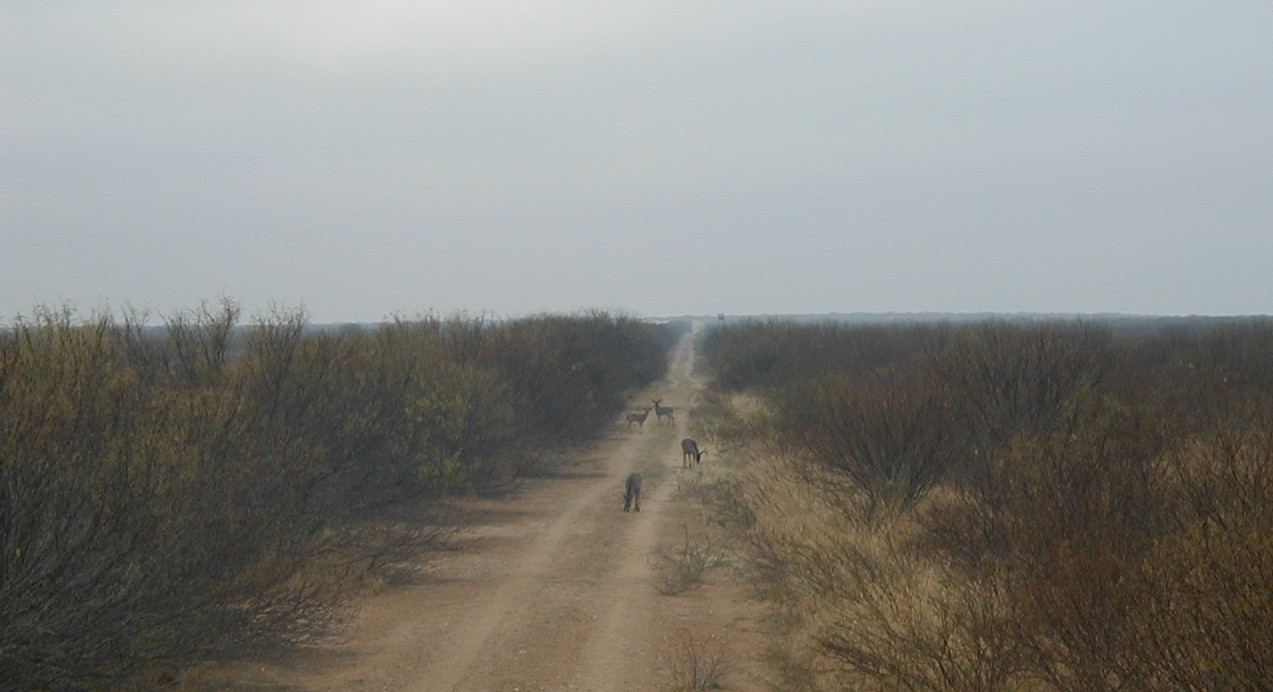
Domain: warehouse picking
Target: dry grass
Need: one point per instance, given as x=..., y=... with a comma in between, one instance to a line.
x=1096, y=529
x=859, y=607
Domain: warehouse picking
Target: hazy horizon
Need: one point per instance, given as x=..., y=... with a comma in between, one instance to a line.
x=657, y=158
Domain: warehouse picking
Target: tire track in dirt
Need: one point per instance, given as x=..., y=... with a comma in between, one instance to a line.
x=602, y=556
x=514, y=605
x=503, y=609
x=624, y=648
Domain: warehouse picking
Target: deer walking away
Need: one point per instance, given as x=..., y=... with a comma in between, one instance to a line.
x=632, y=492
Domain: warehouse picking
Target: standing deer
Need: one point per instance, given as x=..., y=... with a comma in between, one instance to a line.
x=689, y=448
x=632, y=492
x=661, y=411
x=638, y=418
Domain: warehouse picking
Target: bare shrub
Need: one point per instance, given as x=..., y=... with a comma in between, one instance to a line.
x=696, y=664
x=1007, y=380
x=1100, y=521
x=128, y=542
x=887, y=436
x=174, y=493
x=1203, y=611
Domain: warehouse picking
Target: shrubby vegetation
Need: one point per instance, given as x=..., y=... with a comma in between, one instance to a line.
x=177, y=492
x=1072, y=506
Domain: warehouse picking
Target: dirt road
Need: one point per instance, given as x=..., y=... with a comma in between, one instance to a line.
x=557, y=590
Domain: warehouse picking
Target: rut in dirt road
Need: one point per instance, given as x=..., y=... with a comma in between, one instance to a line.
x=624, y=650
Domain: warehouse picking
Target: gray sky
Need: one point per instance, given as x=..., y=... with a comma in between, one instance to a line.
x=660, y=157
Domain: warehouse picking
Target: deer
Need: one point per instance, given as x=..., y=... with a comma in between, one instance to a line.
x=661, y=411
x=689, y=448
x=638, y=418
x=632, y=492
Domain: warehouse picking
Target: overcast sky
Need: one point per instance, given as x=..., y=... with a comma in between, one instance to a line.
x=660, y=157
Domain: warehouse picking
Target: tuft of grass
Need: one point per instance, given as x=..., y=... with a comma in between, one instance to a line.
x=685, y=569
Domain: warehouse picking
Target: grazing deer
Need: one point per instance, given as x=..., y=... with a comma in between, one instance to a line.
x=689, y=448
x=632, y=492
x=638, y=418
x=661, y=411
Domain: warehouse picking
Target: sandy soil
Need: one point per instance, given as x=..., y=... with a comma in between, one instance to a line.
x=556, y=589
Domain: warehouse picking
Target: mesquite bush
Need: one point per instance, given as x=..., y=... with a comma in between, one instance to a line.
x=184, y=490
x=996, y=505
